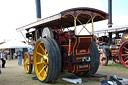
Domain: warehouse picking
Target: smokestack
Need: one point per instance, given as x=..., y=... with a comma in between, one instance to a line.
x=38, y=9
x=110, y=13
x=110, y=19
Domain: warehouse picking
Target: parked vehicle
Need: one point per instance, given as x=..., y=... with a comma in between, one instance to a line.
x=57, y=50
x=114, y=45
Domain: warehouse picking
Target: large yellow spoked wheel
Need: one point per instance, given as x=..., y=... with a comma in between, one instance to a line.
x=27, y=65
x=95, y=59
x=47, y=60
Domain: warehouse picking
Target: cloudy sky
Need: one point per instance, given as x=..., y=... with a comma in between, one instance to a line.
x=17, y=13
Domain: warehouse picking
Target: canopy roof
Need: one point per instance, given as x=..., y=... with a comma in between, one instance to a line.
x=66, y=18
x=14, y=44
x=112, y=29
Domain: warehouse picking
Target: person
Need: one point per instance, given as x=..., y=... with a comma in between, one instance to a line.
x=3, y=58
x=0, y=63
x=19, y=56
x=30, y=50
x=12, y=53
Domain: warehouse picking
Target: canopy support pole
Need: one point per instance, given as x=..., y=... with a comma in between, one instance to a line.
x=75, y=25
x=24, y=36
x=92, y=27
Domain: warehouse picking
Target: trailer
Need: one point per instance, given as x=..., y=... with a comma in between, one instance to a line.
x=113, y=45
x=61, y=49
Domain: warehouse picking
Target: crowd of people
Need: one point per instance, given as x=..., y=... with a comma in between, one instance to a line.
x=3, y=57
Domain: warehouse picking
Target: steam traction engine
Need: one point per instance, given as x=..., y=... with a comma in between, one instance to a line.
x=57, y=50
x=114, y=46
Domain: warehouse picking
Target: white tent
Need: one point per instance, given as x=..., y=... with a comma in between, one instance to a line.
x=14, y=44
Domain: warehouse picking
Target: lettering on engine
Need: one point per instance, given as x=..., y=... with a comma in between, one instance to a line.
x=83, y=66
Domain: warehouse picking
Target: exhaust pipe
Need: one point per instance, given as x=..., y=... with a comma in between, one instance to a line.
x=38, y=9
x=110, y=13
x=110, y=19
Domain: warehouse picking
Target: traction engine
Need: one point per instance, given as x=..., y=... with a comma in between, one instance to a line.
x=57, y=50
x=114, y=46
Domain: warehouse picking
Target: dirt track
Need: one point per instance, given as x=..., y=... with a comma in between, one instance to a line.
x=15, y=75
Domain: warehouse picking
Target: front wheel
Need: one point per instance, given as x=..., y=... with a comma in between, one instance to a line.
x=47, y=60
x=95, y=59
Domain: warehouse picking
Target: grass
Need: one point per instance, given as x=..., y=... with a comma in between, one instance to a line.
x=114, y=65
x=15, y=75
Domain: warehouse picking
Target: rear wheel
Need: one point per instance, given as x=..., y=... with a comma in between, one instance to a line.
x=27, y=65
x=47, y=60
x=47, y=33
x=95, y=59
x=123, y=54
x=103, y=59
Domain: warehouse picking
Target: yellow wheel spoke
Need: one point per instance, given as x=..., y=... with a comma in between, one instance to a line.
x=39, y=63
x=26, y=62
x=41, y=70
x=45, y=72
x=44, y=63
x=40, y=54
x=45, y=57
x=42, y=48
x=45, y=51
x=27, y=67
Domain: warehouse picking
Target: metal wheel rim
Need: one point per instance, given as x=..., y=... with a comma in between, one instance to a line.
x=41, y=61
x=26, y=63
x=103, y=59
x=123, y=54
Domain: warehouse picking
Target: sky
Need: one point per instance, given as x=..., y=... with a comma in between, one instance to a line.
x=17, y=13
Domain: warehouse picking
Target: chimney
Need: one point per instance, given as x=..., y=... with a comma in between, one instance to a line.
x=110, y=13
x=38, y=9
x=110, y=19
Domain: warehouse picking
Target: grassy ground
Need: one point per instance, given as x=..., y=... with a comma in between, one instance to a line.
x=15, y=75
